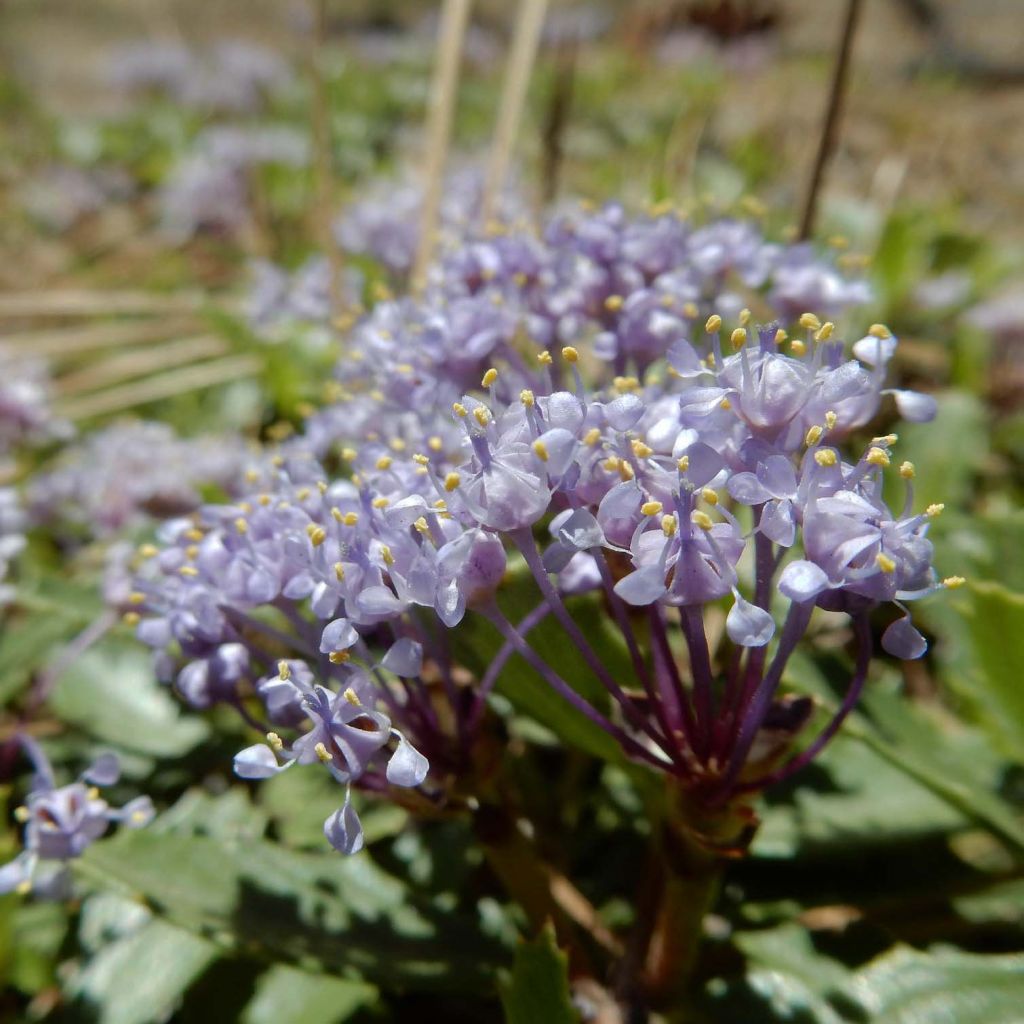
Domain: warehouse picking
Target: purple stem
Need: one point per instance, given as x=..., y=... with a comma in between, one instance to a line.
x=757, y=707
x=700, y=666
x=523, y=539
x=498, y=662
x=561, y=687
x=65, y=658
x=674, y=699
x=864, y=651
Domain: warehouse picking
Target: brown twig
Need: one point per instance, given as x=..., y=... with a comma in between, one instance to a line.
x=323, y=200
x=513, y=97
x=443, y=91
x=833, y=113
x=556, y=120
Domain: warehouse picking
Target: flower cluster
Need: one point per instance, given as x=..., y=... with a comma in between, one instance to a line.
x=62, y=821
x=233, y=76
x=125, y=474
x=209, y=188
x=697, y=466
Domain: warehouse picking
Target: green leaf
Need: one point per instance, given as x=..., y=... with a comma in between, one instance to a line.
x=110, y=693
x=285, y=994
x=787, y=976
x=537, y=989
x=908, y=987
x=995, y=618
x=339, y=913
x=951, y=761
x=140, y=977
x=946, y=453
x=478, y=642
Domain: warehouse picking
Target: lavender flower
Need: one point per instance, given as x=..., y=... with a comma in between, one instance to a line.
x=62, y=821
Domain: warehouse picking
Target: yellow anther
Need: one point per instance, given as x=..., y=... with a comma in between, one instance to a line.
x=879, y=331
x=21, y=814
x=614, y=303
x=148, y=551
x=570, y=355
x=434, y=443
x=824, y=332
x=275, y=741
x=797, y=347
x=683, y=463
x=339, y=657
x=384, y=462
x=241, y=525
x=131, y=618
x=738, y=338
x=422, y=525
x=877, y=457
x=351, y=696
x=397, y=444
x=284, y=670
x=336, y=514
x=135, y=597
x=93, y=793
x=321, y=751
x=451, y=481
x=907, y=470
x=669, y=524
x=194, y=534
x=188, y=570
x=489, y=378
x=303, y=493
x=420, y=459
x=625, y=470
x=460, y=410
x=952, y=582
x=339, y=571
x=809, y=321
x=540, y=449
x=935, y=510
x=277, y=461
x=592, y=436
x=709, y=360
x=379, y=503
x=825, y=457
x=745, y=317
x=831, y=419
x=527, y=397
x=24, y=887
x=725, y=404
x=626, y=383
x=713, y=323
x=701, y=519
x=780, y=336
x=481, y=415
x=251, y=476
x=349, y=454
x=611, y=463
x=690, y=310
x=263, y=500
x=651, y=508
x=386, y=555
x=544, y=358
x=192, y=552
x=245, y=506
x=641, y=450
x=317, y=534
x=885, y=563
x=813, y=435
x=710, y=495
